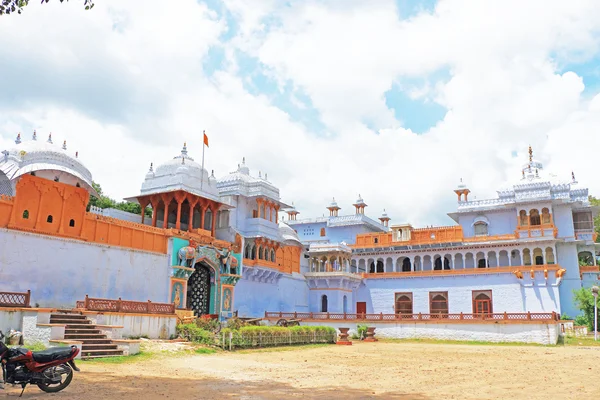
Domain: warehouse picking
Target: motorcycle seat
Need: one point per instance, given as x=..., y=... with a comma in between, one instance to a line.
x=52, y=354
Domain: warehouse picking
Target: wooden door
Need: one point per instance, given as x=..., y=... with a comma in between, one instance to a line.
x=361, y=307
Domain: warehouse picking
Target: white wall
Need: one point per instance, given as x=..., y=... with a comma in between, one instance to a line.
x=507, y=293
x=486, y=332
x=10, y=319
x=60, y=271
x=252, y=298
x=153, y=326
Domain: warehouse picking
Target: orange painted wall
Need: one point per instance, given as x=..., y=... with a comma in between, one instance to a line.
x=66, y=205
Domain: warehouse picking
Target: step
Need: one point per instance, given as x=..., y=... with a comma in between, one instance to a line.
x=80, y=326
x=95, y=341
x=82, y=331
x=83, y=336
x=70, y=322
x=86, y=347
x=88, y=353
x=72, y=316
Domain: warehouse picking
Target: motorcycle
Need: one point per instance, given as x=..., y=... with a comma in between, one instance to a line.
x=51, y=369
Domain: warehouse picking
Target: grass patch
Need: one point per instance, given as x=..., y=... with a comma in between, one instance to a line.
x=579, y=341
x=276, y=349
x=205, y=350
x=141, y=356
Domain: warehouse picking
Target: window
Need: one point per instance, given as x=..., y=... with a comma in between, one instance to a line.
x=72, y=223
x=406, y=265
x=260, y=253
x=404, y=303
x=583, y=221
x=77, y=184
x=375, y=240
x=26, y=214
x=322, y=231
x=546, y=216
x=324, y=303
x=482, y=302
x=481, y=263
x=49, y=219
x=33, y=174
x=481, y=229
x=523, y=218
x=534, y=217
x=438, y=303
x=56, y=179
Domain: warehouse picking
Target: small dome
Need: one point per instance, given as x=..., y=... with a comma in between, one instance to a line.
x=333, y=203
x=384, y=215
x=360, y=200
x=288, y=234
x=461, y=185
x=39, y=156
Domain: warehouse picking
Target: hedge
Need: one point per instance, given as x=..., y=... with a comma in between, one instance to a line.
x=195, y=334
x=258, y=336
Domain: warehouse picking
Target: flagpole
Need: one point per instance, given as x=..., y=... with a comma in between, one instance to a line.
x=203, y=145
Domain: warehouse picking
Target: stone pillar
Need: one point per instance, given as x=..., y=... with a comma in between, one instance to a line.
x=178, y=221
x=154, y=212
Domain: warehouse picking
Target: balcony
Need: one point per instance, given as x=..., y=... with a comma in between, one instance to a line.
x=537, y=231
x=588, y=235
x=260, y=227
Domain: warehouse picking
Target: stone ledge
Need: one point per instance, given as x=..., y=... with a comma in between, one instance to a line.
x=126, y=341
x=51, y=325
x=88, y=312
x=108, y=326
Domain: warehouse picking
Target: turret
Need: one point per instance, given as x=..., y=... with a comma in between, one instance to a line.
x=360, y=205
x=462, y=190
x=292, y=212
x=384, y=219
x=333, y=208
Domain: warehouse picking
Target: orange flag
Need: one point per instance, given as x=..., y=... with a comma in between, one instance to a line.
x=205, y=138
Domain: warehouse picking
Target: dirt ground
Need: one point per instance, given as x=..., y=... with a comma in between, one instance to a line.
x=365, y=370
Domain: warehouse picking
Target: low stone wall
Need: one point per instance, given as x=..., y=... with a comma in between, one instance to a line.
x=10, y=318
x=154, y=326
x=541, y=333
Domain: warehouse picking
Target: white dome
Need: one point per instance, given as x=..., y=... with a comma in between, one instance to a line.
x=288, y=234
x=180, y=173
x=45, y=158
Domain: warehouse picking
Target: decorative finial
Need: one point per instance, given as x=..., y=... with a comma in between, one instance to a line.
x=523, y=174
x=76, y=154
x=536, y=172
x=212, y=173
x=50, y=138
x=266, y=179
x=34, y=135
x=259, y=174
x=573, y=175
x=151, y=167
x=182, y=160
x=64, y=146
x=18, y=140
x=184, y=152
x=530, y=154
x=243, y=160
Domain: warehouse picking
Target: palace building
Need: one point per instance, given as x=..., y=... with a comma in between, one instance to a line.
x=219, y=245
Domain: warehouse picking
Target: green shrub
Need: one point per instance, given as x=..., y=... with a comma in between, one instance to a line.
x=235, y=323
x=565, y=317
x=192, y=333
x=250, y=336
x=208, y=324
x=581, y=320
x=361, y=330
x=584, y=300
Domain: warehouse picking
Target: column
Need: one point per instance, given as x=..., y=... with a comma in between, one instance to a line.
x=202, y=214
x=277, y=214
x=258, y=203
x=214, y=220
x=191, y=216
x=154, y=212
x=144, y=205
x=178, y=221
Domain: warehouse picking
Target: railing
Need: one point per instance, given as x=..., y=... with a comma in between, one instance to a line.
x=527, y=316
x=125, y=306
x=15, y=299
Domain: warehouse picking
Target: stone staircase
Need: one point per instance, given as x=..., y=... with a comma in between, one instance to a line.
x=78, y=327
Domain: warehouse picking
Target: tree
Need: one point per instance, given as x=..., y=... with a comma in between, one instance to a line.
x=106, y=202
x=596, y=202
x=584, y=300
x=12, y=6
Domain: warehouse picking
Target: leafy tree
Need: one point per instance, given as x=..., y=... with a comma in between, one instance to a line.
x=585, y=301
x=596, y=202
x=106, y=202
x=12, y=6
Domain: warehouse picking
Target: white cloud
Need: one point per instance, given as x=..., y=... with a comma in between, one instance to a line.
x=124, y=84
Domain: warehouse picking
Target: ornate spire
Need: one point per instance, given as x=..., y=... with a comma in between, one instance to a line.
x=182, y=159
x=76, y=154
x=50, y=138
x=34, y=135
x=243, y=160
x=184, y=151
x=530, y=154
x=151, y=167
x=18, y=140
x=64, y=146
x=212, y=174
x=573, y=177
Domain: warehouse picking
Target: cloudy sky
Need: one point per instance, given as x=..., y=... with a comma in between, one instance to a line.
x=395, y=100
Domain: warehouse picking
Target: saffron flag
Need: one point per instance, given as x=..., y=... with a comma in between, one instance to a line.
x=205, y=139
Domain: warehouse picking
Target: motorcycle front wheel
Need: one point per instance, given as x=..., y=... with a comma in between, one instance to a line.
x=56, y=378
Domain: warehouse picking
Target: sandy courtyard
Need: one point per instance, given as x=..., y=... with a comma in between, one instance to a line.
x=365, y=370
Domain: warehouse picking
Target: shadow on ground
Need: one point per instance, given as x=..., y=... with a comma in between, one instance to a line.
x=104, y=386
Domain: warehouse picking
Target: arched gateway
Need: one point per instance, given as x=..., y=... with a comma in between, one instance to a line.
x=199, y=289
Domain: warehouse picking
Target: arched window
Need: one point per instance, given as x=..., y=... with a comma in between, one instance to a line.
x=482, y=302
x=406, y=265
x=438, y=303
x=253, y=253
x=322, y=231
x=375, y=240
x=546, y=216
x=534, y=217
x=49, y=219
x=523, y=221
x=481, y=228
x=33, y=174
x=77, y=184
x=481, y=263
x=437, y=264
x=272, y=255
x=56, y=179
x=26, y=214
x=446, y=263
x=404, y=303
x=324, y=303
x=380, y=268
x=72, y=223
x=586, y=259
x=260, y=253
